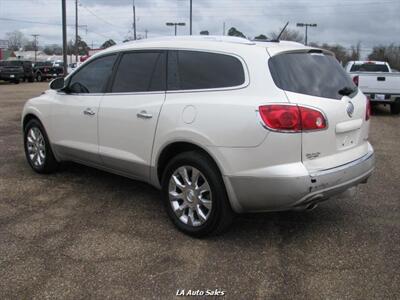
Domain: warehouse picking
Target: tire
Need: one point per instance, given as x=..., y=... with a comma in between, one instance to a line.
x=39, y=77
x=31, y=79
x=16, y=81
x=395, y=107
x=213, y=205
x=45, y=161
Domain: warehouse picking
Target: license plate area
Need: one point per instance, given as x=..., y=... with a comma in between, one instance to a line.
x=347, y=140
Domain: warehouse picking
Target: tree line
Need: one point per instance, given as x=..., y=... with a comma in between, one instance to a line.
x=389, y=53
x=18, y=41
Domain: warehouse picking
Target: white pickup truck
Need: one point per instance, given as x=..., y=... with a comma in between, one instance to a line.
x=376, y=80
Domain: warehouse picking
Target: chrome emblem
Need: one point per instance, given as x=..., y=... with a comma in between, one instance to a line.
x=350, y=109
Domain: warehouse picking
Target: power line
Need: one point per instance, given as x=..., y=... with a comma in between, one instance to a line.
x=47, y=23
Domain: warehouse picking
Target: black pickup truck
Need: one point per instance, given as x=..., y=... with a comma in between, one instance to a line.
x=47, y=69
x=16, y=70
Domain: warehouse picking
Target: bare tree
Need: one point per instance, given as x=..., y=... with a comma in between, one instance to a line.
x=16, y=40
x=390, y=54
x=288, y=35
x=355, y=52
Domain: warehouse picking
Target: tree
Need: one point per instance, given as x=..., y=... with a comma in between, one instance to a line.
x=234, y=32
x=204, y=32
x=83, y=48
x=29, y=46
x=261, y=37
x=390, y=54
x=108, y=43
x=355, y=52
x=288, y=35
x=53, y=49
x=16, y=40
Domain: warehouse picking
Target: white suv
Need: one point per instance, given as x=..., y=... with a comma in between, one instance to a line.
x=222, y=125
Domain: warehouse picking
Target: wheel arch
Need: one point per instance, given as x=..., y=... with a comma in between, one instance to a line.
x=29, y=116
x=174, y=148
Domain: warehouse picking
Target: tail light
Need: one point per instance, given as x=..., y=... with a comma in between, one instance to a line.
x=356, y=80
x=291, y=118
x=368, y=110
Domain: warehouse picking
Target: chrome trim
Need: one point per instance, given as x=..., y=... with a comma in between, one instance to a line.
x=343, y=167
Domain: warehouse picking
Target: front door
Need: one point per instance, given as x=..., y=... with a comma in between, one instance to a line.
x=74, y=130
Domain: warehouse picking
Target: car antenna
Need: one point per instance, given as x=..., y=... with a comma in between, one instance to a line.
x=280, y=34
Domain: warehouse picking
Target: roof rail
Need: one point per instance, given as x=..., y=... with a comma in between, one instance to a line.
x=211, y=38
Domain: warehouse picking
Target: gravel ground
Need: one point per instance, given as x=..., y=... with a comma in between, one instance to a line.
x=83, y=233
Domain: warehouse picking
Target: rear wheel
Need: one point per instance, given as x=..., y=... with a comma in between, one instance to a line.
x=395, y=107
x=195, y=196
x=37, y=148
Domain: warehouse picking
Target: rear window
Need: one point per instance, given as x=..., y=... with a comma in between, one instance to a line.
x=192, y=70
x=314, y=74
x=371, y=67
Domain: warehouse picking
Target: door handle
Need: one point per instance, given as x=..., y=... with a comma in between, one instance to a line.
x=88, y=112
x=144, y=115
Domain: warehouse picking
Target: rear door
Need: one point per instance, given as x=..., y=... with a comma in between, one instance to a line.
x=129, y=112
x=317, y=80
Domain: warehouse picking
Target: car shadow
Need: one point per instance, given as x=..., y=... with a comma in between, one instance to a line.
x=381, y=110
x=136, y=195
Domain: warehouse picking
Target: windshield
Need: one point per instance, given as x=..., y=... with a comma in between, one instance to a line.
x=369, y=67
x=314, y=74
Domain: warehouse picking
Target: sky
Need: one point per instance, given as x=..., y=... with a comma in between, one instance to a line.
x=346, y=22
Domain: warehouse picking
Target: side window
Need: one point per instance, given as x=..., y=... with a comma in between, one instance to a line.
x=93, y=77
x=140, y=72
x=190, y=70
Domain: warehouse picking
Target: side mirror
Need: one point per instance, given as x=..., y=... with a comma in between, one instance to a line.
x=57, y=84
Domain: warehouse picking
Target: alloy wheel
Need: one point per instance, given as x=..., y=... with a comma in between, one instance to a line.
x=36, y=147
x=190, y=196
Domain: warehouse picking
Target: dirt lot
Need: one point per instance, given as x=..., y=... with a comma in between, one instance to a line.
x=83, y=233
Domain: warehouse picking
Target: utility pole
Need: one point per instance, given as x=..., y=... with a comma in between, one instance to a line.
x=191, y=16
x=76, y=31
x=223, y=28
x=145, y=33
x=175, y=24
x=134, y=19
x=306, y=25
x=64, y=34
x=35, y=36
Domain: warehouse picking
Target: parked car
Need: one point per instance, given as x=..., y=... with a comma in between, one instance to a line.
x=377, y=80
x=47, y=70
x=221, y=125
x=72, y=67
x=16, y=70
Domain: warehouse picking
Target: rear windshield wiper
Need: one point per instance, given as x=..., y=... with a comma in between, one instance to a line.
x=346, y=91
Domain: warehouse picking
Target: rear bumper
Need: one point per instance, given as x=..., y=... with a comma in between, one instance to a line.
x=389, y=98
x=292, y=186
x=11, y=76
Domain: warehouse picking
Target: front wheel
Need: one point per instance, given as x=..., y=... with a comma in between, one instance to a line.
x=37, y=148
x=195, y=196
